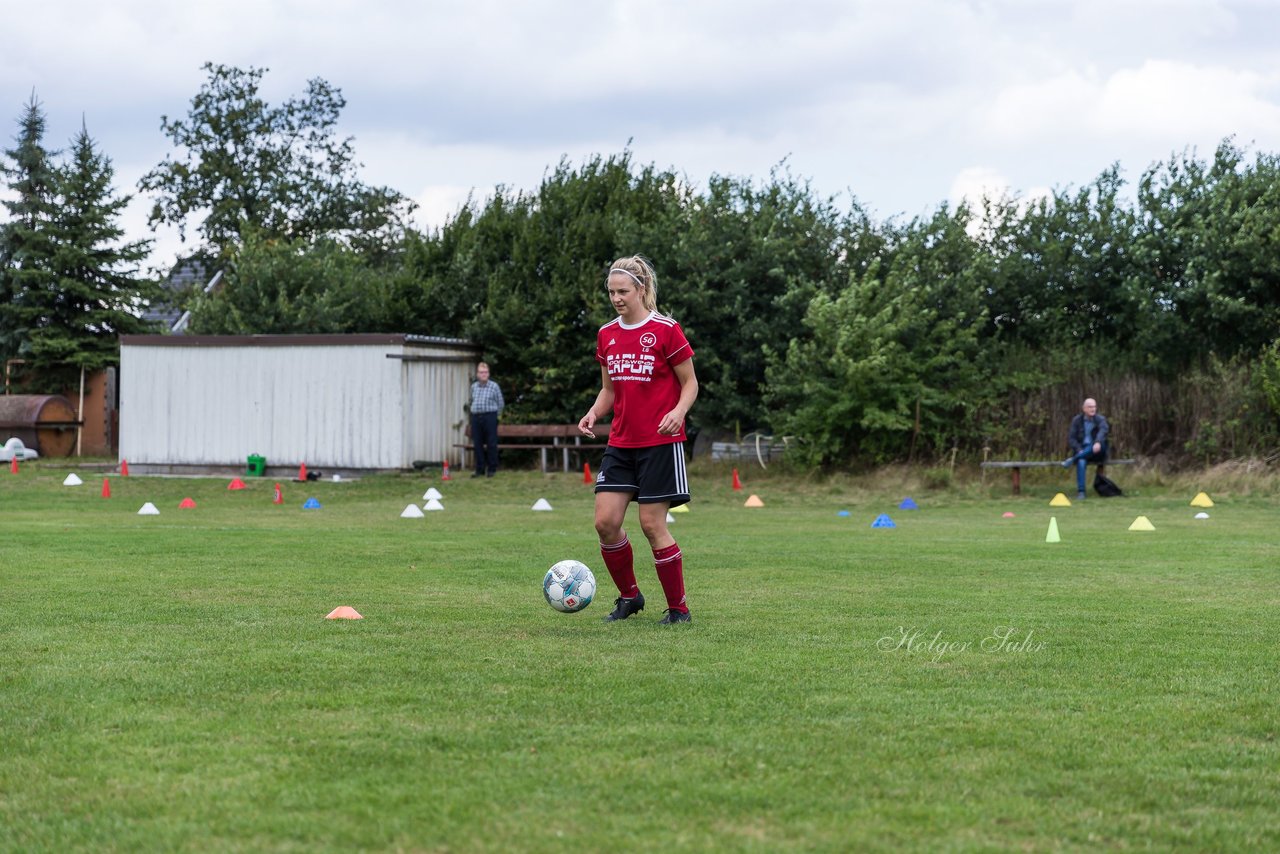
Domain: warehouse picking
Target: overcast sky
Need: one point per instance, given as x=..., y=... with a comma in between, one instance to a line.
x=902, y=104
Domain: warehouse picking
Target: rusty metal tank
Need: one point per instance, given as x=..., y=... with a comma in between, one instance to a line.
x=44, y=422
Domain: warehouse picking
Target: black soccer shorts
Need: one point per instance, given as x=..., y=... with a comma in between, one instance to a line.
x=652, y=475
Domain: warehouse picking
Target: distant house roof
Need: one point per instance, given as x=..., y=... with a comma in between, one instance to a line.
x=185, y=276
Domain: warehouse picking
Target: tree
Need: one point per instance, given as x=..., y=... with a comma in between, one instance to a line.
x=522, y=275
x=70, y=287
x=890, y=365
x=282, y=287
x=1207, y=243
x=1062, y=269
x=26, y=240
x=277, y=170
x=99, y=291
x=745, y=259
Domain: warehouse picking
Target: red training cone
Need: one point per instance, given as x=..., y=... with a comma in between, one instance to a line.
x=302, y=472
x=237, y=483
x=737, y=484
x=279, y=499
x=445, y=476
x=13, y=464
x=106, y=488
x=586, y=473
x=124, y=468
x=186, y=504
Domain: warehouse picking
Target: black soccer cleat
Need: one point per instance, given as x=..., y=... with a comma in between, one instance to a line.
x=673, y=616
x=623, y=608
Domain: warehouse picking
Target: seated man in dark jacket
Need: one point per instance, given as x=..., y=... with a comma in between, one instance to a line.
x=1087, y=438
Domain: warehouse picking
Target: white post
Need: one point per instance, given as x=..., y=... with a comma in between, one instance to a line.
x=80, y=413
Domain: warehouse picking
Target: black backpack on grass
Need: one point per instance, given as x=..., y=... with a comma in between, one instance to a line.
x=1105, y=486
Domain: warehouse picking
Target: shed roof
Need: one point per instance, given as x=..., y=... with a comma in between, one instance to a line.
x=328, y=340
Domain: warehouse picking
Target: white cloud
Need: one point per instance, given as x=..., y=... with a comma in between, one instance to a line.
x=439, y=203
x=975, y=183
x=1175, y=99
x=1157, y=100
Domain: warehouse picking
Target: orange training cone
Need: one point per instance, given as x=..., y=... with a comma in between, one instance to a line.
x=106, y=488
x=737, y=484
x=13, y=464
x=586, y=472
x=302, y=472
x=344, y=612
x=124, y=468
x=279, y=499
x=445, y=476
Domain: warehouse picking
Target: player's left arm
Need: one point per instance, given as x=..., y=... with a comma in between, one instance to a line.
x=673, y=421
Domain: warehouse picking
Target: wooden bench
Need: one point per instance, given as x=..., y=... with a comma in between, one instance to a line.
x=565, y=438
x=1016, y=467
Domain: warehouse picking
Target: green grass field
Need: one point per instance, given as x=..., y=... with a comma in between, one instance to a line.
x=170, y=682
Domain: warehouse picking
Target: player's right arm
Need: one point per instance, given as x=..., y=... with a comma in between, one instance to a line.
x=603, y=405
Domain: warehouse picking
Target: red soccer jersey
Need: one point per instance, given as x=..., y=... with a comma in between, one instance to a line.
x=640, y=359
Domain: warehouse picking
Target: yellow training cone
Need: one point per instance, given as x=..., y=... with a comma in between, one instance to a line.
x=753, y=501
x=683, y=508
x=1052, y=536
x=1059, y=500
x=1201, y=500
x=1142, y=523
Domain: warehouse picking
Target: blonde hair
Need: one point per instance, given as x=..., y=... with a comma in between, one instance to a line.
x=639, y=270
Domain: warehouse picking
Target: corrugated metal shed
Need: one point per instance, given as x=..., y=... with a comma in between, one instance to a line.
x=332, y=401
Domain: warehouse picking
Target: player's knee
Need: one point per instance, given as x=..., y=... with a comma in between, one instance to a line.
x=609, y=529
x=654, y=529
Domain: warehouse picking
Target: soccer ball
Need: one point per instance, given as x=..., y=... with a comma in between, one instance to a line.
x=569, y=586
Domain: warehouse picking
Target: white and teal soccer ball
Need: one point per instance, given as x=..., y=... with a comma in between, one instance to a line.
x=569, y=586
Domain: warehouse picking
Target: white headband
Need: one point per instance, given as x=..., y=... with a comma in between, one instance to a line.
x=627, y=273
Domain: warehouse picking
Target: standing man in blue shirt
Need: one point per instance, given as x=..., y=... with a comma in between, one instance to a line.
x=486, y=406
x=1087, y=438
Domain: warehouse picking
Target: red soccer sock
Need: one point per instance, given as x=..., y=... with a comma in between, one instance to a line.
x=669, y=563
x=618, y=559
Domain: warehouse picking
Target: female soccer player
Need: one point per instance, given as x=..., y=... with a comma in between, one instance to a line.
x=647, y=382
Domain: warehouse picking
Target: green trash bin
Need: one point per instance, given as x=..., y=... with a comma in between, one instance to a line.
x=257, y=465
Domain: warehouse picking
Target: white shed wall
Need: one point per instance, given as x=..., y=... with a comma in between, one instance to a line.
x=434, y=418
x=336, y=406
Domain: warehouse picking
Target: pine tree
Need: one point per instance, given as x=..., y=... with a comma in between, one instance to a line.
x=26, y=241
x=68, y=287
x=99, y=291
